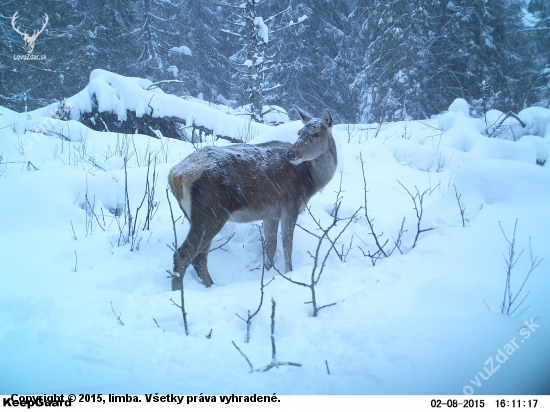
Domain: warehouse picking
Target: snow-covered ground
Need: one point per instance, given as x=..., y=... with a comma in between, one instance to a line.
x=421, y=321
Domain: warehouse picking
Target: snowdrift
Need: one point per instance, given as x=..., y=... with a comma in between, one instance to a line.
x=85, y=301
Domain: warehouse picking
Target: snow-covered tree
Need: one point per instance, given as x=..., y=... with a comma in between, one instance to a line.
x=79, y=37
x=423, y=54
x=391, y=81
x=198, y=60
x=254, y=62
x=477, y=54
x=157, y=31
x=539, y=34
x=372, y=60
x=323, y=57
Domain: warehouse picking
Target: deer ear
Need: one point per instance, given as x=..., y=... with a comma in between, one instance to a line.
x=303, y=115
x=326, y=119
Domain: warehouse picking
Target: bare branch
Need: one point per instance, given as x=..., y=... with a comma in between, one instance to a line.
x=509, y=298
x=418, y=201
x=173, y=222
x=244, y=356
x=369, y=220
x=497, y=125
x=156, y=84
x=223, y=244
x=274, y=362
x=158, y=326
x=318, y=266
x=117, y=316
x=249, y=318
x=461, y=208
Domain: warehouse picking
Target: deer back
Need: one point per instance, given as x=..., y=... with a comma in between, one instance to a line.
x=251, y=182
x=245, y=182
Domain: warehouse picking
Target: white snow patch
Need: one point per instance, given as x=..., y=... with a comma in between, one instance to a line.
x=536, y=120
x=263, y=30
x=460, y=106
x=183, y=50
x=173, y=70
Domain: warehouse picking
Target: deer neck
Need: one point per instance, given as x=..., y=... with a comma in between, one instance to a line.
x=323, y=167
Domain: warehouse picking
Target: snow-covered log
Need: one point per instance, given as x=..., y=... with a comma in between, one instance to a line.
x=111, y=102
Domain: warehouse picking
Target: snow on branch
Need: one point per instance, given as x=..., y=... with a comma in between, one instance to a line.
x=291, y=24
x=263, y=30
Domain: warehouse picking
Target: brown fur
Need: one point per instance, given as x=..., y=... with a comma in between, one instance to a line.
x=270, y=181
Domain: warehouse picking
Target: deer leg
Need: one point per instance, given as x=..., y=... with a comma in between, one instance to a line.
x=197, y=242
x=182, y=259
x=270, y=230
x=289, y=218
x=200, y=263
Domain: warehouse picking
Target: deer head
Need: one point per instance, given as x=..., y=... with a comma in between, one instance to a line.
x=29, y=40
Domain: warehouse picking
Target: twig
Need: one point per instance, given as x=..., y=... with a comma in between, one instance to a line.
x=461, y=208
x=91, y=208
x=182, y=308
x=419, y=208
x=496, y=125
x=158, y=326
x=274, y=362
x=335, y=209
x=117, y=316
x=248, y=320
x=510, y=260
x=369, y=220
x=74, y=234
x=244, y=356
x=128, y=214
x=155, y=85
x=317, y=269
x=399, y=235
x=223, y=244
x=175, y=244
x=273, y=347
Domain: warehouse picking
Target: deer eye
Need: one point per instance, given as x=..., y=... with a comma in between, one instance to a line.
x=317, y=134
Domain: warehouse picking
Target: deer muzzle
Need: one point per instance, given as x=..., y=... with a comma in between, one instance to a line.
x=294, y=158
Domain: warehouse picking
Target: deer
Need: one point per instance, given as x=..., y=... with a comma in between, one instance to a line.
x=29, y=40
x=270, y=181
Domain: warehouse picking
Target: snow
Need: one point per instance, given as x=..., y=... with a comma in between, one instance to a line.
x=273, y=114
x=183, y=50
x=422, y=322
x=173, y=70
x=460, y=106
x=263, y=30
x=536, y=120
x=300, y=19
x=501, y=125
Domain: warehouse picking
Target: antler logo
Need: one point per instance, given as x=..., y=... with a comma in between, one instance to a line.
x=29, y=40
